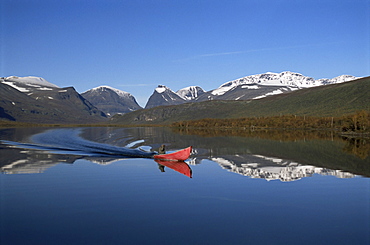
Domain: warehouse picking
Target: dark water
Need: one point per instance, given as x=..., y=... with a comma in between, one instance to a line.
x=79, y=186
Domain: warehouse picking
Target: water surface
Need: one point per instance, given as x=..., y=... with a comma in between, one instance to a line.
x=245, y=189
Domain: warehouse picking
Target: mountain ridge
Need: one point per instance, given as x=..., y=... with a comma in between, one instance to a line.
x=245, y=88
x=27, y=81
x=330, y=100
x=40, y=99
x=267, y=84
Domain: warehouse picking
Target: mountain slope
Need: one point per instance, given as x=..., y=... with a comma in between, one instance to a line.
x=110, y=100
x=330, y=100
x=163, y=96
x=44, y=103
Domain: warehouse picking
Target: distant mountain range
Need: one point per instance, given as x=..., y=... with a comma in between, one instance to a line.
x=321, y=101
x=245, y=88
x=33, y=99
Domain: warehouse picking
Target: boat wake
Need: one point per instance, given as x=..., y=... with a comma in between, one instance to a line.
x=68, y=141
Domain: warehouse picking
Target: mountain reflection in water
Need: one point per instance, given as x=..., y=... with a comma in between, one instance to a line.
x=255, y=156
x=65, y=145
x=262, y=167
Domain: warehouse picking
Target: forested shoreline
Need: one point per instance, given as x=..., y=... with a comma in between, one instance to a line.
x=358, y=122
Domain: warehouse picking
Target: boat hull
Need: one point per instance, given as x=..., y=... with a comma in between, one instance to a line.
x=180, y=155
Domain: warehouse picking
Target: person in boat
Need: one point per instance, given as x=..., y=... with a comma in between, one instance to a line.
x=161, y=150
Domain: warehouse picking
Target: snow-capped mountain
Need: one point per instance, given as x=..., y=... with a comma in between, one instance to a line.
x=245, y=88
x=286, y=78
x=111, y=100
x=33, y=99
x=339, y=79
x=163, y=95
x=28, y=84
x=190, y=93
x=267, y=84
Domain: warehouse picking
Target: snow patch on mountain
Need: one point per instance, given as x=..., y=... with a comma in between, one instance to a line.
x=190, y=93
x=221, y=90
x=166, y=92
x=117, y=91
x=287, y=79
x=12, y=84
x=275, y=92
x=161, y=89
x=30, y=81
x=338, y=79
x=250, y=86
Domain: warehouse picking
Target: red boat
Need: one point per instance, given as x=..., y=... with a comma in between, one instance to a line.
x=180, y=155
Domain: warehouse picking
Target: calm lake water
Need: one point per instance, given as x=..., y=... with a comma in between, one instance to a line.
x=69, y=186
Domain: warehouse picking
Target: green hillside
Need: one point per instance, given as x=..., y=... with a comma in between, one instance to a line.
x=324, y=101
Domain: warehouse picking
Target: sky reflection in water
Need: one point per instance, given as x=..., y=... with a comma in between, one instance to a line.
x=130, y=201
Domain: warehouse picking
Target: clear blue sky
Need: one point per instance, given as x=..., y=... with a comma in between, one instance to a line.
x=136, y=45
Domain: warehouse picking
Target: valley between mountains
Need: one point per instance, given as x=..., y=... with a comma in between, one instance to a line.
x=35, y=100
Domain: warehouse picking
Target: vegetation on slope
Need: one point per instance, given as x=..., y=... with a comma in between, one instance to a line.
x=358, y=122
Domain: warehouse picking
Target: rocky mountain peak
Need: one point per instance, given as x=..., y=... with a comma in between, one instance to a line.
x=111, y=100
x=163, y=95
x=161, y=89
x=190, y=93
